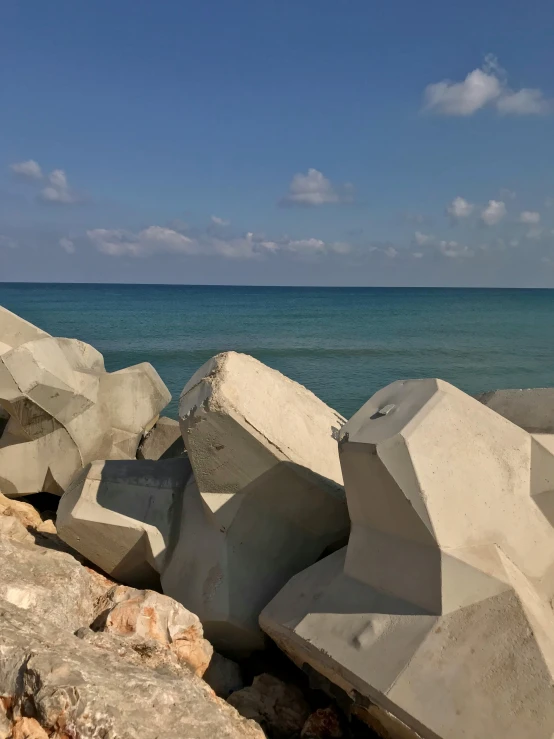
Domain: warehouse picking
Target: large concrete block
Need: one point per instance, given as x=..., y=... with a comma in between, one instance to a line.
x=164, y=441
x=532, y=408
x=436, y=618
x=122, y=514
x=266, y=499
x=15, y=331
x=57, y=395
x=133, y=397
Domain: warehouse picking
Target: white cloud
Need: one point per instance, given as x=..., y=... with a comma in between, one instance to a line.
x=530, y=216
x=7, y=242
x=523, y=102
x=307, y=246
x=453, y=250
x=158, y=240
x=417, y=254
x=421, y=239
x=220, y=221
x=29, y=170
x=481, y=87
x=390, y=252
x=493, y=213
x=462, y=98
x=152, y=240
x=507, y=193
x=534, y=233
x=67, y=245
x=459, y=208
x=314, y=189
x=58, y=191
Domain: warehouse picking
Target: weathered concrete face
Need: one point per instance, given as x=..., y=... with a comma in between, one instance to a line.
x=164, y=441
x=436, y=618
x=122, y=515
x=532, y=408
x=61, y=410
x=16, y=331
x=267, y=496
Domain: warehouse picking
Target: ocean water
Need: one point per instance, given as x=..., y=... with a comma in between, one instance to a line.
x=342, y=343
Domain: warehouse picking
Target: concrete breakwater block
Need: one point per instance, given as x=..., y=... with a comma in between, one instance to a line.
x=436, y=618
x=531, y=408
x=267, y=499
x=122, y=515
x=62, y=410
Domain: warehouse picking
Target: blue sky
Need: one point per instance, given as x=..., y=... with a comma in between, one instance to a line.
x=277, y=142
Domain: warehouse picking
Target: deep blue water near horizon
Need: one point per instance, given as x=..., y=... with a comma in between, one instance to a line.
x=341, y=343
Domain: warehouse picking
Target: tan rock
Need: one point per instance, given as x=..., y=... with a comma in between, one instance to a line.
x=323, y=724
x=6, y=723
x=12, y=528
x=28, y=728
x=49, y=584
x=279, y=708
x=223, y=676
x=87, y=691
x=23, y=511
x=156, y=617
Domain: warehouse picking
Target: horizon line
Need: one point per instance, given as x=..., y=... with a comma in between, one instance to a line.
x=300, y=287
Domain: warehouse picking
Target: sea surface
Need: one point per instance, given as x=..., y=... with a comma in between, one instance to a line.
x=342, y=343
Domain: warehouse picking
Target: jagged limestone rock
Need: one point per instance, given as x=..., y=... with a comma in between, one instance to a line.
x=266, y=499
x=52, y=586
x=64, y=410
x=279, y=707
x=436, y=619
x=223, y=675
x=80, y=688
x=156, y=617
x=121, y=514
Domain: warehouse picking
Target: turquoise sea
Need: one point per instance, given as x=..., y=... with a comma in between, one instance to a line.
x=342, y=343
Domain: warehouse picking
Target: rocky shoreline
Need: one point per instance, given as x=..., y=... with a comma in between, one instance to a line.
x=264, y=567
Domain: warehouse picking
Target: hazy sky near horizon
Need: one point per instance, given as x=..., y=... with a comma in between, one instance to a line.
x=316, y=142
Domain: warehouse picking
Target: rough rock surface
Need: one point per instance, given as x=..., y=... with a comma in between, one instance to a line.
x=437, y=617
x=164, y=441
x=280, y=708
x=155, y=617
x=64, y=409
x=322, y=724
x=75, y=689
x=23, y=511
x=223, y=676
x=267, y=499
x=47, y=584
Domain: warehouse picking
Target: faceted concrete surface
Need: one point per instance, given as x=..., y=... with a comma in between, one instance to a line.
x=532, y=408
x=61, y=410
x=436, y=618
x=267, y=496
x=164, y=441
x=122, y=515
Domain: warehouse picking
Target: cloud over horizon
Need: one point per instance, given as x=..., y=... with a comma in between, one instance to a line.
x=314, y=189
x=29, y=170
x=484, y=86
